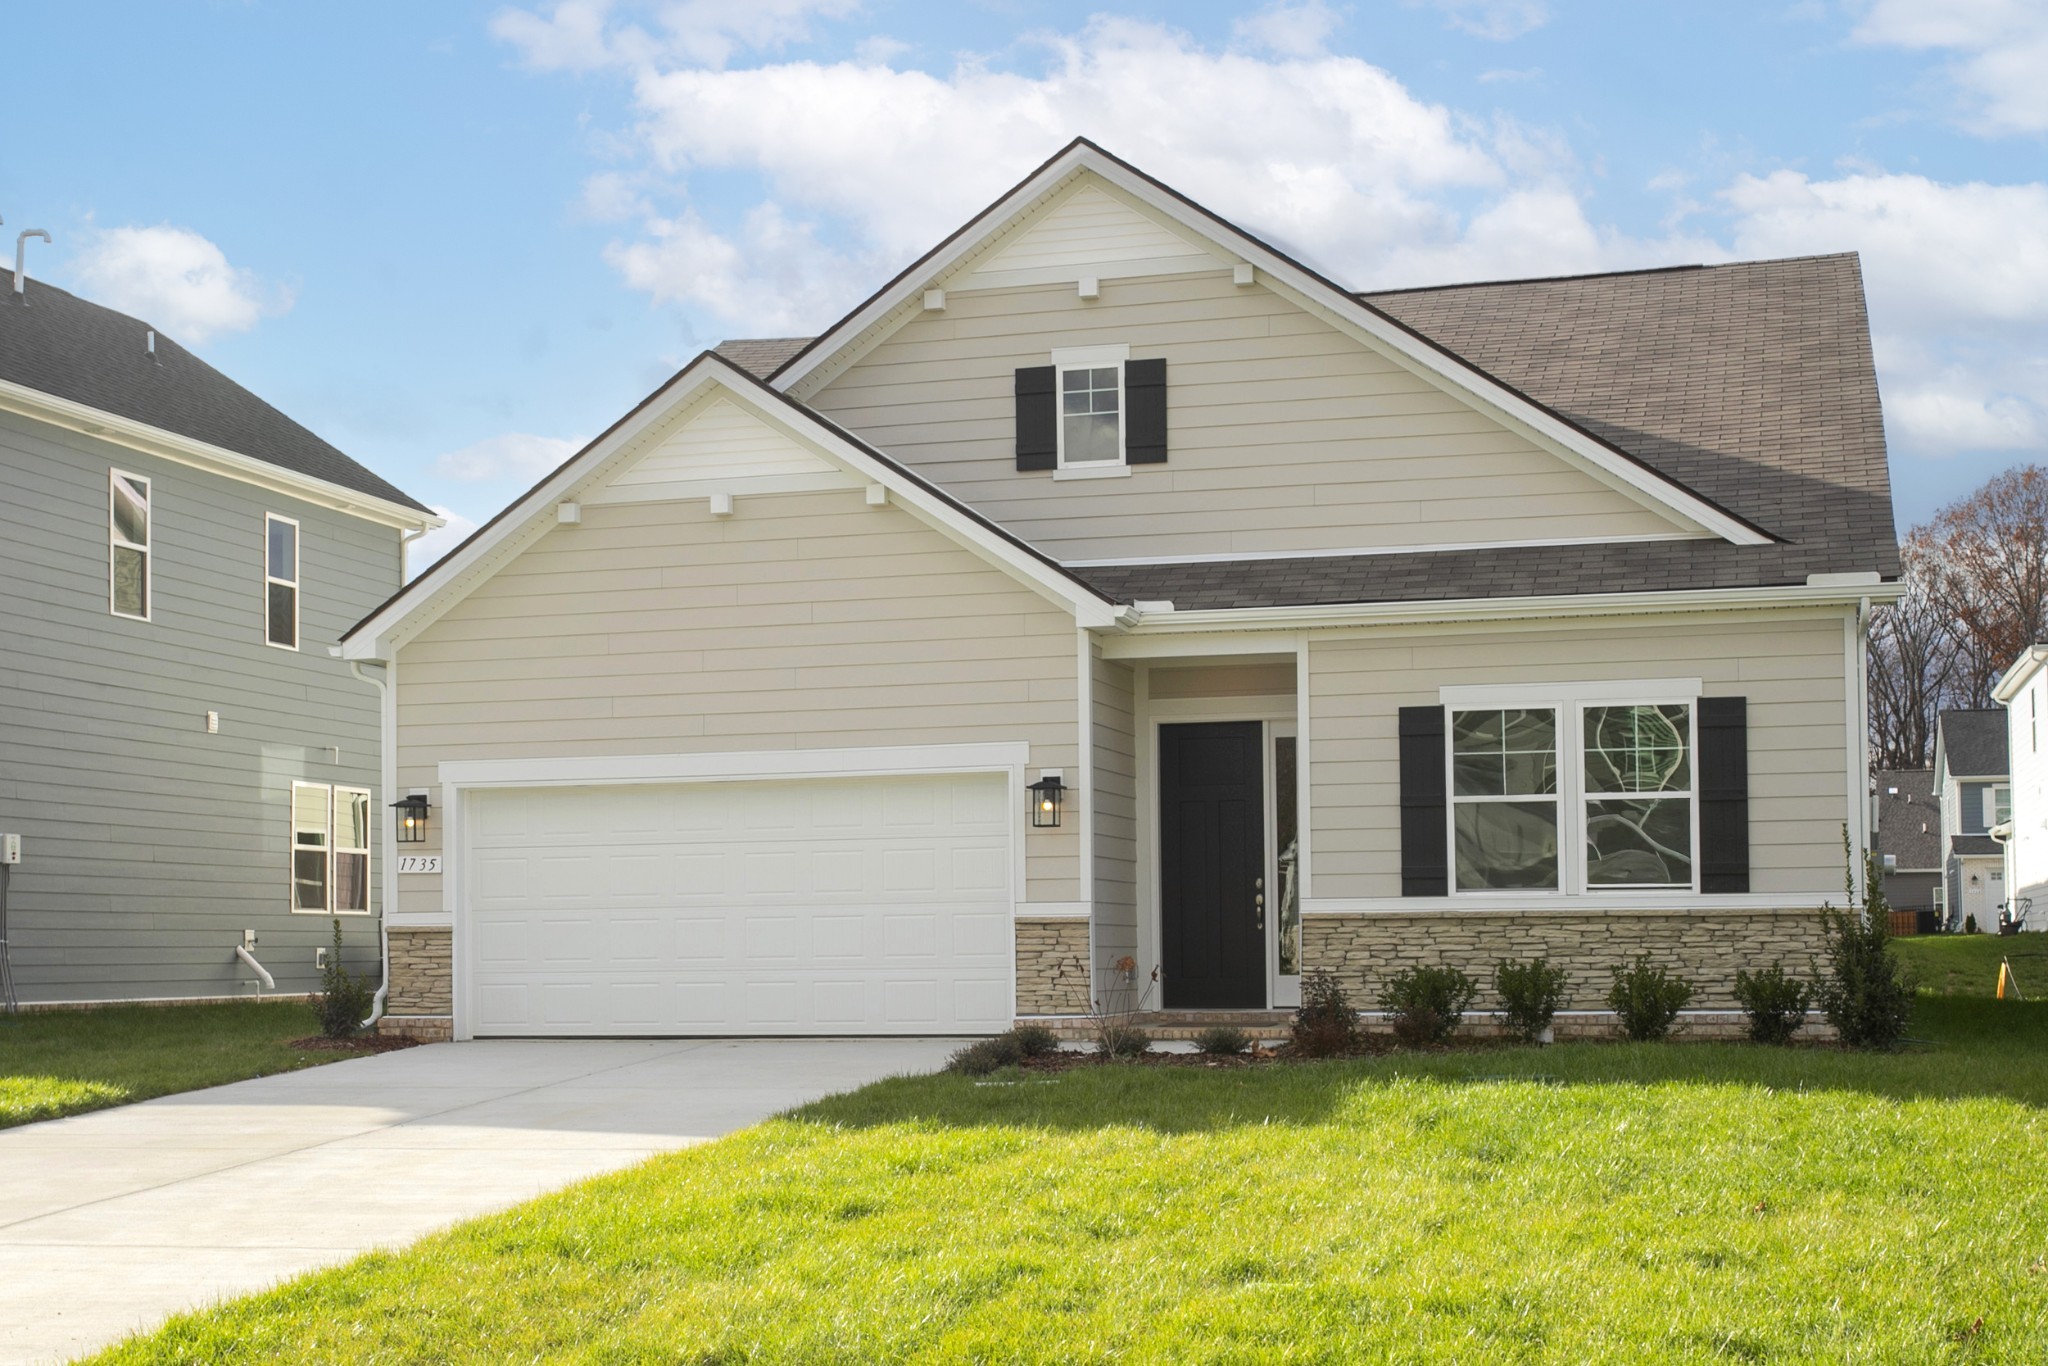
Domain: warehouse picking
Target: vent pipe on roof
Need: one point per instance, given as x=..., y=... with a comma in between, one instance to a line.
x=21, y=260
x=149, y=343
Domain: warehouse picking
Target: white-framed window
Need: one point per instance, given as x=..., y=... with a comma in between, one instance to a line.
x=2001, y=803
x=1592, y=789
x=1090, y=390
x=128, y=533
x=280, y=581
x=330, y=850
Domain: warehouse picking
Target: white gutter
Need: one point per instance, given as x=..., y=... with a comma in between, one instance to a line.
x=1865, y=589
x=388, y=777
x=78, y=417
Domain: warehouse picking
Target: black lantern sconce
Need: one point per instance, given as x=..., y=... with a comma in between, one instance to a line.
x=1045, y=801
x=412, y=818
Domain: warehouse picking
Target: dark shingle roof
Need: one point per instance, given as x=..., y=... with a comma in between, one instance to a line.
x=1908, y=818
x=1975, y=844
x=74, y=349
x=1973, y=742
x=1751, y=385
x=761, y=356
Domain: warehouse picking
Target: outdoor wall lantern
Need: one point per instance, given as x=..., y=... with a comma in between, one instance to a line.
x=412, y=818
x=1045, y=801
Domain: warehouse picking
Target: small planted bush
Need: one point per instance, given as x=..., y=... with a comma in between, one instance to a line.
x=1426, y=1004
x=1530, y=995
x=1865, y=992
x=1325, y=1024
x=1648, y=999
x=1122, y=1041
x=1035, y=1041
x=1775, y=1004
x=984, y=1056
x=343, y=1002
x=1223, y=1041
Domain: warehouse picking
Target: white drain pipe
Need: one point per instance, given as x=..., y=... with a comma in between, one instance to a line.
x=242, y=952
x=389, y=842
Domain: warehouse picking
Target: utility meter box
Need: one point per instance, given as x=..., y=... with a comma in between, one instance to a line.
x=10, y=848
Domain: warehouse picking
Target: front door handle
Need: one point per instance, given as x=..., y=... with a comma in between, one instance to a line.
x=1259, y=909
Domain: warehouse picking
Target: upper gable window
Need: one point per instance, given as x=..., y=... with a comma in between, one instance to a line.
x=128, y=528
x=1091, y=415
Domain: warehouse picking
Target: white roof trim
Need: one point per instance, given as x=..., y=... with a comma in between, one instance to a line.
x=452, y=579
x=1230, y=556
x=2016, y=676
x=1488, y=394
x=185, y=450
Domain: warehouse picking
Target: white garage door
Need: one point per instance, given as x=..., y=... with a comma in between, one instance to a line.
x=835, y=906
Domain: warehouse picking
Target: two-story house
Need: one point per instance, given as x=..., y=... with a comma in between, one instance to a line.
x=2023, y=693
x=1113, y=592
x=1972, y=782
x=1906, y=836
x=183, y=759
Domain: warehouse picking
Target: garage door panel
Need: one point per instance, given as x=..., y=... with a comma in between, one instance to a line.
x=840, y=906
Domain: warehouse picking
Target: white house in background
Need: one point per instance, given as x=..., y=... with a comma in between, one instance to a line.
x=1972, y=780
x=2026, y=835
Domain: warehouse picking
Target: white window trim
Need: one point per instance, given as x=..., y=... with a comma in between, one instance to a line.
x=1568, y=702
x=1065, y=358
x=115, y=541
x=333, y=791
x=291, y=583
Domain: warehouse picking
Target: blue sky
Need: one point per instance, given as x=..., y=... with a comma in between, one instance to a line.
x=457, y=238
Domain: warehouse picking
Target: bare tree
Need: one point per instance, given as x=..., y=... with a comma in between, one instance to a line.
x=1912, y=662
x=1990, y=556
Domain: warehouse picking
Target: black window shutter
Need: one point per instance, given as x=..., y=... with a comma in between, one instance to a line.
x=1037, y=418
x=1724, y=794
x=1425, y=847
x=1145, y=412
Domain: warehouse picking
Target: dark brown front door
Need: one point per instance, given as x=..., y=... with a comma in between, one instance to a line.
x=1212, y=820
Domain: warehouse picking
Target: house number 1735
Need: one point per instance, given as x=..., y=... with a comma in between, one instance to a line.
x=419, y=863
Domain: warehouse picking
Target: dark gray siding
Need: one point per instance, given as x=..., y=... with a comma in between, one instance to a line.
x=1911, y=891
x=149, y=845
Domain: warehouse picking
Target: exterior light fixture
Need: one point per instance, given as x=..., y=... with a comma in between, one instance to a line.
x=412, y=818
x=1045, y=801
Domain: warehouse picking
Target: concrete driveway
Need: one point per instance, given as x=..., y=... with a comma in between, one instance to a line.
x=110, y=1222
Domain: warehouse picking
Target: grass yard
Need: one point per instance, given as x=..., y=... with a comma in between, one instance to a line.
x=1587, y=1202
x=61, y=1062
x=1967, y=964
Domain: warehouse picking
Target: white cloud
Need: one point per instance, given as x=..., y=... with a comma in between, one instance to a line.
x=1288, y=30
x=579, y=35
x=512, y=455
x=1497, y=20
x=176, y=279
x=1954, y=411
x=421, y=554
x=2001, y=49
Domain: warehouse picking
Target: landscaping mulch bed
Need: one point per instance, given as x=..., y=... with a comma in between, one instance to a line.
x=367, y=1043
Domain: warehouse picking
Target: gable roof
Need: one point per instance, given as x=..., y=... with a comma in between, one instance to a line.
x=1752, y=382
x=480, y=555
x=1970, y=742
x=1908, y=818
x=73, y=349
x=1377, y=328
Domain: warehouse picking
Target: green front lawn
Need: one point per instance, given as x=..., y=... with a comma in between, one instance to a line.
x=1703, y=1202
x=1967, y=964
x=60, y=1062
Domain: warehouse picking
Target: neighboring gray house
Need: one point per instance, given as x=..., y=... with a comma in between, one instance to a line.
x=1906, y=833
x=1972, y=781
x=181, y=754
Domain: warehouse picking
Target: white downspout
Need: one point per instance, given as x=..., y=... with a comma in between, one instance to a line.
x=1860, y=790
x=388, y=776
x=242, y=952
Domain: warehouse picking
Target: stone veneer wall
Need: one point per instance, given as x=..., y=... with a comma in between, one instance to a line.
x=1052, y=966
x=1706, y=947
x=422, y=972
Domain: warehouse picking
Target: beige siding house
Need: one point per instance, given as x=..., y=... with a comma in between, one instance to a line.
x=1110, y=593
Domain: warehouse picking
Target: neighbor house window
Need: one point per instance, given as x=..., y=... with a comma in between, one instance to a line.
x=128, y=531
x=1572, y=794
x=1091, y=415
x=281, y=581
x=2001, y=803
x=330, y=848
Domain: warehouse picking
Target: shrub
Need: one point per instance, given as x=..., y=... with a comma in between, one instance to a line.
x=1530, y=994
x=343, y=1002
x=1035, y=1041
x=984, y=1056
x=1775, y=1004
x=1122, y=1041
x=1648, y=999
x=1969, y=924
x=1427, y=1003
x=1325, y=1024
x=1223, y=1041
x=1864, y=991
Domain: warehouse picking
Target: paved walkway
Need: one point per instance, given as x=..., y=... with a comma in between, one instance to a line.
x=110, y=1222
